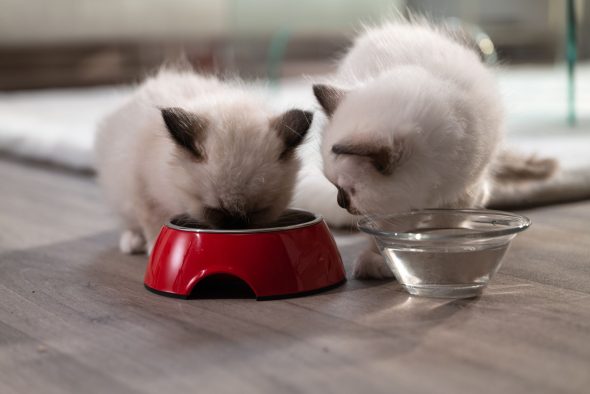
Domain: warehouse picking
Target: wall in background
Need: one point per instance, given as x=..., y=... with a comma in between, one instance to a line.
x=34, y=22
x=47, y=43
x=524, y=30
x=87, y=42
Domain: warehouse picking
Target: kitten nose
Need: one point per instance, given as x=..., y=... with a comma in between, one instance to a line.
x=343, y=199
x=223, y=218
x=234, y=221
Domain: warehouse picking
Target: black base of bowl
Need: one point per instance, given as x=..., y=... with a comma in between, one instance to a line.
x=264, y=298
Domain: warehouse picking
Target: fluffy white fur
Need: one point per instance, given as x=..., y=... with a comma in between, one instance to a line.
x=423, y=119
x=149, y=177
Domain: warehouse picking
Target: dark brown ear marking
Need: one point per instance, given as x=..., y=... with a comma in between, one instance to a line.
x=383, y=158
x=186, y=129
x=292, y=127
x=329, y=97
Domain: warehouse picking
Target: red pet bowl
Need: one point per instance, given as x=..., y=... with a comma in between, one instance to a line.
x=297, y=256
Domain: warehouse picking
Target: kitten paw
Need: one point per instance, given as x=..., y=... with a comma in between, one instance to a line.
x=132, y=242
x=370, y=265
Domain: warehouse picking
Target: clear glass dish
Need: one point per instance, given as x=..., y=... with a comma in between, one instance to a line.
x=447, y=253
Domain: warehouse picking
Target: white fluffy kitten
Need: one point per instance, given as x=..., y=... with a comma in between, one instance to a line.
x=185, y=143
x=415, y=121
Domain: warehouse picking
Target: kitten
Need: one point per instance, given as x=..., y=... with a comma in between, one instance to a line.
x=415, y=119
x=186, y=143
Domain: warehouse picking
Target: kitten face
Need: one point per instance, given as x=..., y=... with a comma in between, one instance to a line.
x=389, y=146
x=236, y=168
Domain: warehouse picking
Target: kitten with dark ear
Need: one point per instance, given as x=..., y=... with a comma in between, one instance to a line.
x=329, y=97
x=292, y=127
x=384, y=158
x=187, y=143
x=187, y=130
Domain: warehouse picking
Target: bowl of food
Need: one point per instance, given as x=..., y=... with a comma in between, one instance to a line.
x=294, y=256
x=446, y=253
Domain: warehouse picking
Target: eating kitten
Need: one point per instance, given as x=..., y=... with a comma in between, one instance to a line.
x=415, y=121
x=186, y=143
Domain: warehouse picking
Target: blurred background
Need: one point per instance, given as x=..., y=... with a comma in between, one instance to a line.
x=65, y=63
x=49, y=43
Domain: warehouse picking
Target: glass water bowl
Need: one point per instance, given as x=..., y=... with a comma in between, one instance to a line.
x=445, y=253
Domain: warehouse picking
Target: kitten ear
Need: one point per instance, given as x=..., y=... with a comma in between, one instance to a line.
x=329, y=97
x=384, y=158
x=292, y=126
x=186, y=129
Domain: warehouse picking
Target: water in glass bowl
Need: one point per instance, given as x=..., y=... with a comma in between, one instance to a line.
x=445, y=269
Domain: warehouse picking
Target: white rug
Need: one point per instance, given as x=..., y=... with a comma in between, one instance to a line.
x=58, y=125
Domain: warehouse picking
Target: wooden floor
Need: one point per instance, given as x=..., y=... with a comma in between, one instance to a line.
x=75, y=317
